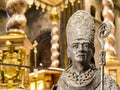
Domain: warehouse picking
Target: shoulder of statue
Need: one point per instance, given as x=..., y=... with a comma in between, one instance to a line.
x=111, y=83
x=96, y=80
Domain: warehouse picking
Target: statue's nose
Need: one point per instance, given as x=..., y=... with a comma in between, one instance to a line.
x=80, y=47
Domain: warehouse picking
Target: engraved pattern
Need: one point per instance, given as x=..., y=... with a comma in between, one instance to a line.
x=82, y=79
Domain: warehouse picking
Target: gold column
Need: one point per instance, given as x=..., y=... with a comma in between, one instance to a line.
x=112, y=66
x=55, y=38
x=110, y=40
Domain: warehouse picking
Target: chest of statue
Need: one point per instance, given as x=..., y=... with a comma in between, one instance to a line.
x=85, y=81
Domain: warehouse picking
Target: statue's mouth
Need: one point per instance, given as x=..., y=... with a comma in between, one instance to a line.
x=81, y=55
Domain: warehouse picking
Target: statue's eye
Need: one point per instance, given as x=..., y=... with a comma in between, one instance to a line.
x=75, y=46
x=86, y=45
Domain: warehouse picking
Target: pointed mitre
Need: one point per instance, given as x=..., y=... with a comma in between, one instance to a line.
x=80, y=25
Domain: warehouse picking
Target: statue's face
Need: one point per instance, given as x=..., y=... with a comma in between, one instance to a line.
x=80, y=50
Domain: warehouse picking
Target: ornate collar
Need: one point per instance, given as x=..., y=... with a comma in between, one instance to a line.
x=80, y=80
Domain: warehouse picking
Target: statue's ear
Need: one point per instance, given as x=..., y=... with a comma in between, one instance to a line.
x=68, y=52
x=69, y=55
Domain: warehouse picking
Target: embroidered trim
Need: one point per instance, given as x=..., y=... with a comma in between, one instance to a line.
x=82, y=79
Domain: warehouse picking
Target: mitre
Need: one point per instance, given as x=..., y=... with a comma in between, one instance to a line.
x=80, y=26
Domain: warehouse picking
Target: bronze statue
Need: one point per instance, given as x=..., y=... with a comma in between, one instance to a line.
x=82, y=74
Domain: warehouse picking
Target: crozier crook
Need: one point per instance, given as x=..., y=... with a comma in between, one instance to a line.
x=103, y=32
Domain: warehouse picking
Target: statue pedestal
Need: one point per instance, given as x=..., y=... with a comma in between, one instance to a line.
x=45, y=79
x=19, y=56
x=112, y=68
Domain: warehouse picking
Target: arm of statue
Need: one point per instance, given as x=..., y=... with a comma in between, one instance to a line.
x=114, y=85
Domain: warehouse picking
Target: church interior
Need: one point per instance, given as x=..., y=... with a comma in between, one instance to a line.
x=33, y=40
